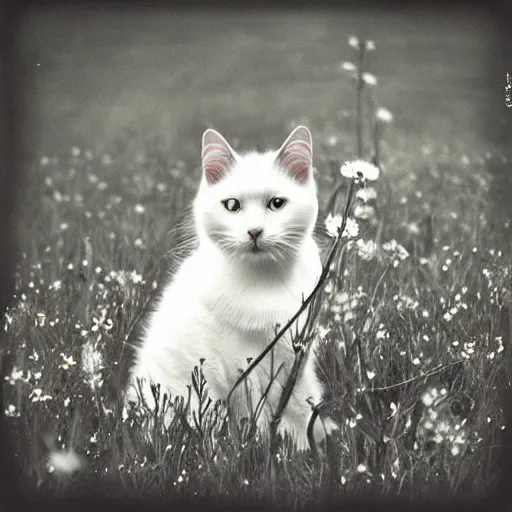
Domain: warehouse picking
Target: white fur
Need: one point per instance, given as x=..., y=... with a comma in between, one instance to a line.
x=224, y=302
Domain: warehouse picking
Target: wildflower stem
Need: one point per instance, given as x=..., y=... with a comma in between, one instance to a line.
x=359, y=102
x=323, y=276
x=418, y=377
x=381, y=278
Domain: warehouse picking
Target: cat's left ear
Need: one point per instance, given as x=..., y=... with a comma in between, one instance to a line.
x=296, y=154
x=217, y=156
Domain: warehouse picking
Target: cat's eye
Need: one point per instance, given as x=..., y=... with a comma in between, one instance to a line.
x=276, y=203
x=232, y=205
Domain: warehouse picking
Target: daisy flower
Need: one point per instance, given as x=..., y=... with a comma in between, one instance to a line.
x=360, y=170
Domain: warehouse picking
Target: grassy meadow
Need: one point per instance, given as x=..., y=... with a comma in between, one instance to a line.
x=414, y=321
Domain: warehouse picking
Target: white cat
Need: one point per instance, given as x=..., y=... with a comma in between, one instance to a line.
x=255, y=261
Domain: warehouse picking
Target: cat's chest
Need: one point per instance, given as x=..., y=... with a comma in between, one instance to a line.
x=248, y=304
x=256, y=309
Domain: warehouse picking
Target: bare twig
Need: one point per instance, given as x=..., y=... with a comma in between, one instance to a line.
x=418, y=377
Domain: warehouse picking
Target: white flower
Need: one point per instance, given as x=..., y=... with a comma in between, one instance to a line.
x=333, y=225
x=413, y=228
x=359, y=169
x=362, y=468
x=44, y=160
x=139, y=209
x=37, y=396
x=366, y=250
x=396, y=249
x=14, y=376
x=65, y=461
x=136, y=278
x=353, y=41
x=106, y=160
x=369, y=79
x=68, y=361
x=364, y=212
x=384, y=115
x=370, y=45
x=351, y=228
x=332, y=140
x=348, y=66
x=429, y=396
x=41, y=318
x=75, y=151
x=366, y=194
x=11, y=412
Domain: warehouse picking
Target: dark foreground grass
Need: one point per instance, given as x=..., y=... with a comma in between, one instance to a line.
x=414, y=376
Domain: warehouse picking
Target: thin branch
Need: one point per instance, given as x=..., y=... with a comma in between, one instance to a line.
x=305, y=304
x=418, y=377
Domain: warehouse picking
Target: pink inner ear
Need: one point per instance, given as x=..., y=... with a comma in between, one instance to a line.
x=295, y=158
x=216, y=162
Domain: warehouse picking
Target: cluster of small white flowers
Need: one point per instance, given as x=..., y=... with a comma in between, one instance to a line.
x=458, y=304
x=397, y=252
x=432, y=395
x=356, y=43
x=123, y=277
x=364, y=211
x=468, y=349
x=38, y=396
x=12, y=412
x=438, y=423
x=14, y=376
x=382, y=333
x=333, y=225
x=367, y=249
x=344, y=306
x=404, y=302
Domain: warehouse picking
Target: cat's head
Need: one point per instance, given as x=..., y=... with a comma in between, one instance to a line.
x=257, y=206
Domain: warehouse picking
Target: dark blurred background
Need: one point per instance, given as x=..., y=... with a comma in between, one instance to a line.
x=91, y=75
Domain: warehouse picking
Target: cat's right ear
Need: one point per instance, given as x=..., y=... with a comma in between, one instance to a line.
x=217, y=156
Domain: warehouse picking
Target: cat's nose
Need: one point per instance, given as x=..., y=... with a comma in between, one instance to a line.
x=255, y=233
